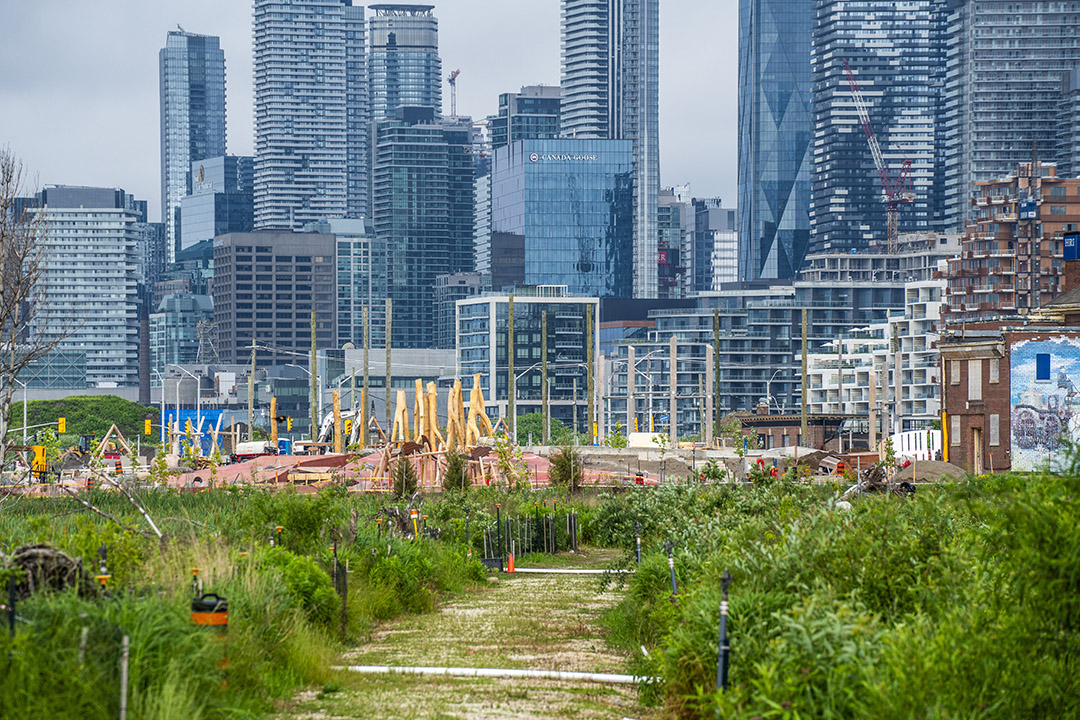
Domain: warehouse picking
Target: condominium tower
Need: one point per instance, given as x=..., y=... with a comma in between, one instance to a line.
x=192, y=118
x=610, y=90
x=310, y=112
x=775, y=125
x=403, y=59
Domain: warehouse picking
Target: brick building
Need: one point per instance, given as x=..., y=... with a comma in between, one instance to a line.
x=1010, y=390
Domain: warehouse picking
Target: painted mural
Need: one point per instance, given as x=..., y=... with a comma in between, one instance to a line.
x=1045, y=400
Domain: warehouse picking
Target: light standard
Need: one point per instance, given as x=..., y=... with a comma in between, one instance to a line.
x=631, y=381
x=161, y=418
x=513, y=390
x=198, y=394
x=768, y=385
x=314, y=431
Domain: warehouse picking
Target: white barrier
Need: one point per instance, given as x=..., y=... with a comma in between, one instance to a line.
x=917, y=444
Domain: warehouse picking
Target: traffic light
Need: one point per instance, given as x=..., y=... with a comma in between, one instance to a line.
x=288, y=424
x=348, y=427
x=61, y=425
x=146, y=426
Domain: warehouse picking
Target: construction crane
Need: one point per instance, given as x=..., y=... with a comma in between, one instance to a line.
x=895, y=191
x=453, y=92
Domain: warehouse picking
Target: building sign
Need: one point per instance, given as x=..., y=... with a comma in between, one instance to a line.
x=548, y=157
x=1045, y=400
x=1071, y=242
x=1029, y=210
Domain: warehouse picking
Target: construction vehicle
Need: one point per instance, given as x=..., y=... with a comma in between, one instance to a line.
x=250, y=450
x=326, y=428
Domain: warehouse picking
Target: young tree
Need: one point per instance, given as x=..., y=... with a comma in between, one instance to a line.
x=26, y=334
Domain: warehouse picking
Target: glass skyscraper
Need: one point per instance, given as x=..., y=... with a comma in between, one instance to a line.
x=896, y=53
x=192, y=89
x=610, y=90
x=1006, y=65
x=311, y=112
x=562, y=214
x=403, y=59
x=220, y=201
x=775, y=124
x=423, y=214
x=530, y=114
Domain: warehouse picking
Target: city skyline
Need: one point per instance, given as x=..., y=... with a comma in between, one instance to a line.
x=121, y=126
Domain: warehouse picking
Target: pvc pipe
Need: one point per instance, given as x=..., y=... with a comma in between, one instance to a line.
x=496, y=673
x=569, y=571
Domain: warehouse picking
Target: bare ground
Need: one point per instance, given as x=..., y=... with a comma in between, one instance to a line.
x=523, y=621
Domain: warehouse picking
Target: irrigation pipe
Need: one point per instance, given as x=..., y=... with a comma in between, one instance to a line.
x=569, y=571
x=496, y=673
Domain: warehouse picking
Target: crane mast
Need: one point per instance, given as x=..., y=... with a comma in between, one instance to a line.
x=453, y=92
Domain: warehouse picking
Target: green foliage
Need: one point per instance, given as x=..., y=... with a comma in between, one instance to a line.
x=566, y=469
x=307, y=584
x=404, y=475
x=455, y=475
x=712, y=472
x=533, y=423
x=617, y=437
x=87, y=414
x=510, y=461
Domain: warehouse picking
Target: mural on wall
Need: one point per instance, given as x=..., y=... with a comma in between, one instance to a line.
x=1045, y=399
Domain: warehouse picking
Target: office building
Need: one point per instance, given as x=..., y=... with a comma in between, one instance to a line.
x=775, y=128
x=404, y=67
x=1005, y=65
x=311, y=112
x=192, y=91
x=89, y=295
x=448, y=290
x=895, y=52
x=482, y=331
x=221, y=200
x=715, y=260
x=423, y=214
x=180, y=333
x=562, y=214
x=675, y=219
x=532, y=114
x=266, y=286
x=482, y=221
x=192, y=273
x=1011, y=253
x=610, y=90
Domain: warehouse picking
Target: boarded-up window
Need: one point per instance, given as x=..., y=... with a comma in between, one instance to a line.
x=995, y=370
x=954, y=368
x=954, y=430
x=974, y=379
x=995, y=429
x=1042, y=366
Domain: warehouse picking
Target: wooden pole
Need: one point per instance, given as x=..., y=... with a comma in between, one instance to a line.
x=251, y=396
x=389, y=321
x=716, y=371
x=544, y=409
x=511, y=419
x=364, y=393
x=804, y=429
x=589, y=387
x=314, y=385
x=337, y=422
x=273, y=423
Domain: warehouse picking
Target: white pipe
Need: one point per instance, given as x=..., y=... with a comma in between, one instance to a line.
x=496, y=673
x=568, y=571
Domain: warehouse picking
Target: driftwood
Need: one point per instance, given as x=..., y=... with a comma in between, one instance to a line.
x=875, y=480
x=47, y=569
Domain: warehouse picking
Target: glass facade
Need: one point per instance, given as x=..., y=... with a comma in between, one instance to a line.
x=403, y=59
x=610, y=90
x=716, y=245
x=424, y=215
x=775, y=124
x=896, y=53
x=175, y=331
x=531, y=114
x=311, y=112
x=562, y=214
x=192, y=91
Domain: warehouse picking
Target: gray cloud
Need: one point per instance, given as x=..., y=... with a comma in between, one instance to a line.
x=79, y=98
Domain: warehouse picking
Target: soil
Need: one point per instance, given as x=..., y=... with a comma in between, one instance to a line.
x=930, y=471
x=525, y=621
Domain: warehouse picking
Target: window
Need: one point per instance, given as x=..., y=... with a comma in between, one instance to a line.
x=995, y=370
x=995, y=429
x=954, y=367
x=1042, y=366
x=974, y=380
x=954, y=430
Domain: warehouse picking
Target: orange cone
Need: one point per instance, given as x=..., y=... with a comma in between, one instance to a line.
x=511, y=568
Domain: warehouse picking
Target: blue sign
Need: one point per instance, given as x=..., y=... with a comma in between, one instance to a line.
x=1071, y=242
x=1029, y=210
x=284, y=446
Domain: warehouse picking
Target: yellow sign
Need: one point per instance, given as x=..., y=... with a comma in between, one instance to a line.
x=61, y=425
x=146, y=427
x=39, y=465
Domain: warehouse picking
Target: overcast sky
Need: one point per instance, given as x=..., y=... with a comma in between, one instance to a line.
x=79, y=89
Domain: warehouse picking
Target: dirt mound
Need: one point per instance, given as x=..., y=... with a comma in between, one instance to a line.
x=930, y=471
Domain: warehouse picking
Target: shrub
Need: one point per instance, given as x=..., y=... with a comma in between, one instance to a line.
x=405, y=481
x=455, y=475
x=308, y=584
x=565, y=470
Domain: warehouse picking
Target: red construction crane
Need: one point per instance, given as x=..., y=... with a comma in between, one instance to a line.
x=895, y=191
x=453, y=92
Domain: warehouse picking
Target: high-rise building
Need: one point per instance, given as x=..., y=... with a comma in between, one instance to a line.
x=532, y=114
x=448, y=290
x=221, y=200
x=403, y=59
x=1005, y=65
x=89, y=298
x=423, y=214
x=192, y=117
x=310, y=112
x=895, y=51
x=179, y=327
x=610, y=90
x=716, y=245
x=266, y=285
x=1067, y=153
x=561, y=214
x=675, y=238
x=775, y=125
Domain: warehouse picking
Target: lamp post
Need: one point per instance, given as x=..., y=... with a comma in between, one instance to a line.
x=314, y=431
x=513, y=392
x=768, y=393
x=161, y=418
x=198, y=393
x=648, y=379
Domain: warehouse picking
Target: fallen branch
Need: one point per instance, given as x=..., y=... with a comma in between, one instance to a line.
x=90, y=506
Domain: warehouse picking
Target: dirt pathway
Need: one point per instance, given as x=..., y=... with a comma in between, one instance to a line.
x=524, y=621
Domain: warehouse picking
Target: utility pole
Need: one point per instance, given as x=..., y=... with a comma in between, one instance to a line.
x=673, y=402
x=840, y=391
x=804, y=429
x=716, y=370
x=251, y=396
x=389, y=322
x=314, y=385
x=543, y=378
x=511, y=420
x=364, y=394
x=591, y=405
x=631, y=379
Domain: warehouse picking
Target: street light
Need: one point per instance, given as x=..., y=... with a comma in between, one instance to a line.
x=648, y=379
x=161, y=418
x=301, y=367
x=198, y=394
x=768, y=385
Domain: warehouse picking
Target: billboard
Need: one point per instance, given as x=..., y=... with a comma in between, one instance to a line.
x=1070, y=246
